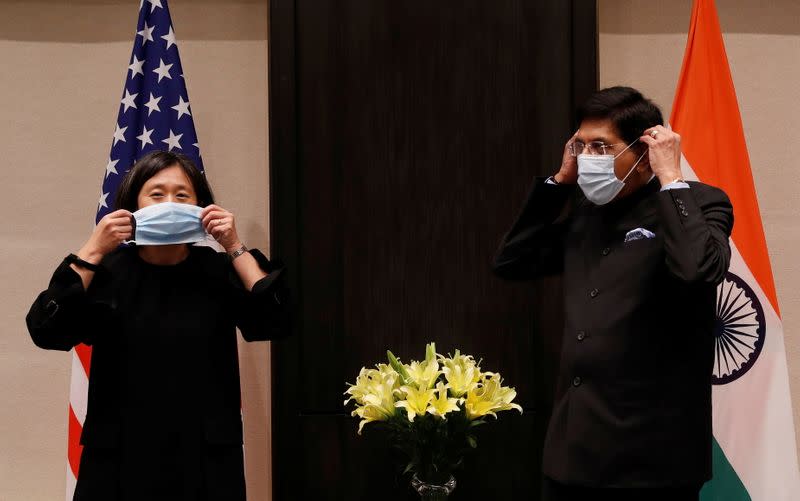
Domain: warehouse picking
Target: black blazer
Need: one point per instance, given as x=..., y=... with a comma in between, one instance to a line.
x=633, y=397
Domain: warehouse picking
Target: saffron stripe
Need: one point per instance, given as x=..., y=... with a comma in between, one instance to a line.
x=706, y=114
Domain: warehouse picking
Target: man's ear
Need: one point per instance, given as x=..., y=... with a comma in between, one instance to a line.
x=644, y=163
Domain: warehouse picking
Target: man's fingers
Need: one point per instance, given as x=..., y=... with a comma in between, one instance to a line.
x=648, y=140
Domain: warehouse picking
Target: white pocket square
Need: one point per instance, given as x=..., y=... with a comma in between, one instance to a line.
x=638, y=234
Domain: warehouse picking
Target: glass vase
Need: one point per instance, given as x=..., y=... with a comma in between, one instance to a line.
x=433, y=492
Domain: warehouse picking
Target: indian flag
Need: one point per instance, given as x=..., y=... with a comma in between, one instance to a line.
x=755, y=456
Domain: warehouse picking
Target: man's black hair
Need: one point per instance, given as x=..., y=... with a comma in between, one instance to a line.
x=629, y=111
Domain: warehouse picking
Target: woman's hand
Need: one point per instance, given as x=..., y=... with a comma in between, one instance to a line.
x=111, y=231
x=221, y=225
x=568, y=173
x=664, y=153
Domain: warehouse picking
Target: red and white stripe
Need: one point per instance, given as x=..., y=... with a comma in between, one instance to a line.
x=78, y=398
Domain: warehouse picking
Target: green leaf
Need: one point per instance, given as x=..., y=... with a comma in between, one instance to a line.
x=472, y=442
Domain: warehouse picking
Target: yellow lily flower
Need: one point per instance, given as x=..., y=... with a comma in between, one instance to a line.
x=441, y=405
x=461, y=372
x=430, y=352
x=416, y=401
x=489, y=397
x=423, y=374
x=378, y=404
x=367, y=413
x=362, y=387
x=372, y=381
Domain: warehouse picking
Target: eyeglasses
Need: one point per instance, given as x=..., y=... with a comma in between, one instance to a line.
x=594, y=148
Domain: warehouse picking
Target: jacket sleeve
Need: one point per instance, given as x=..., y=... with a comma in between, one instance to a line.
x=264, y=313
x=59, y=318
x=697, y=223
x=534, y=246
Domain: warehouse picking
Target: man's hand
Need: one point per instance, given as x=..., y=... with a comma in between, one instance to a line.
x=664, y=153
x=568, y=173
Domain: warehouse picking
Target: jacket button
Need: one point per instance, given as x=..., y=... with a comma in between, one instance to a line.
x=680, y=202
x=594, y=292
x=576, y=381
x=581, y=335
x=606, y=251
x=684, y=213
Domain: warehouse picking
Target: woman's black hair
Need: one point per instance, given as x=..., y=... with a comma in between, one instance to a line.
x=150, y=165
x=629, y=111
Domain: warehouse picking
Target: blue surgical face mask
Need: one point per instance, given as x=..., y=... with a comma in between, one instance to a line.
x=597, y=178
x=168, y=223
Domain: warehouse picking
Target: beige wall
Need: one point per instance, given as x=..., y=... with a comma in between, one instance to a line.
x=64, y=65
x=642, y=44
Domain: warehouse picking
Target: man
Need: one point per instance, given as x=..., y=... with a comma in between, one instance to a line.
x=641, y=252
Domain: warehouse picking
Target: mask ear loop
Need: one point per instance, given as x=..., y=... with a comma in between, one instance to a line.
x=634, y=166
x=131, y=240
x=626, y=148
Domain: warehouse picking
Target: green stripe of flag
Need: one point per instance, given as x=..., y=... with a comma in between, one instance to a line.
x=726, y=485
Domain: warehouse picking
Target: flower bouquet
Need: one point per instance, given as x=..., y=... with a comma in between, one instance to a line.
x=429, y=410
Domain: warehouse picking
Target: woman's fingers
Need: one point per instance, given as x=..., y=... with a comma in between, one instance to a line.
x=220, y=224
x=211, y=208
x=124, y=230
x=118, y=215
x=215, y=215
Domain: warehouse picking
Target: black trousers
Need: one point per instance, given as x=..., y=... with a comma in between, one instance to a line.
x=554, y=491
x=198, y=473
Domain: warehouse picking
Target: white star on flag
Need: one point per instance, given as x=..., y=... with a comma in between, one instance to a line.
x=102, y=202
x=127, y=101
x=145, y=136
x=154, y=4
x=146, y=33
x=173, y=141
x=182, y=107
x=136, y=67
x=119, y=134
x=163, y=70
x=111, y=167
x=170, y=38
x=152, y=104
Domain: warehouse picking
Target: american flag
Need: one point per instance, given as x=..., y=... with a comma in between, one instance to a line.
x=154, y=114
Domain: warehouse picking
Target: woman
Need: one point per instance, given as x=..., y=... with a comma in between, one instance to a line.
x=164, y=411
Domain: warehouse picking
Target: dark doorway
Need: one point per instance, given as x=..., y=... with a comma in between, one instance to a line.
x=404, y=135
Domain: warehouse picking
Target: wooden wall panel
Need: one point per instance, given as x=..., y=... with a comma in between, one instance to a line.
x=404, y=136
